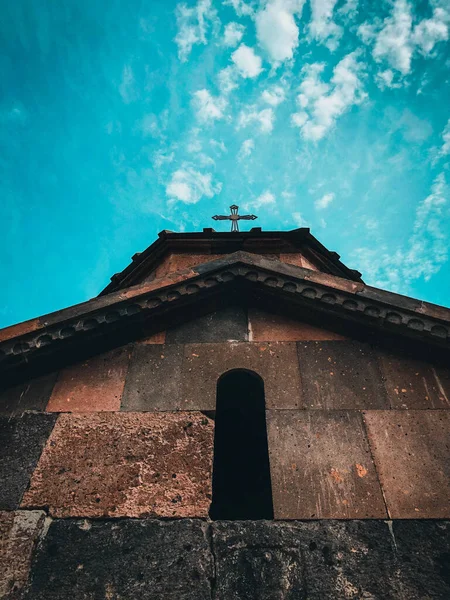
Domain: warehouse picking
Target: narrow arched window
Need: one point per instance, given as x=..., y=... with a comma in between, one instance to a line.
x=241, y=472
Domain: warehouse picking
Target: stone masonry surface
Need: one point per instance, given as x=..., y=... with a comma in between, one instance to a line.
x=188, y=559
x=321, y=466
x=125, y=464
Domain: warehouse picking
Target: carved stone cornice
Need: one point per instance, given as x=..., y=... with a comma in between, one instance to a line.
x=126, y=311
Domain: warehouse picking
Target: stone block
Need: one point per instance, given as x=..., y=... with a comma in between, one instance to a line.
x=340, y=375
x=350, y=560
x=19, y=532
x=154, y=378
x=412, y=454
x=423, y=553
x=130, y=559
x=125, y=465
x=220, y=326
x=268, y=327
x=93, y=385
x=156, y=338
x=258, y=560
x=178, y=262
x=275, y=362
x=31, y=395
x=414, y=384
x=297, y=259
x=321, y=466
x=21, y=441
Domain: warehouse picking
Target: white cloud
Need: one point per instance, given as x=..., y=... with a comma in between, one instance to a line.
x=445, y=149
x=324, y=202
x=431, y=31
x=189, y=186
x=193, y=24
x=247, y=62
x=349, y=9
x=423, y=254
x=396, y=39
x=209, y=107
x=276, y=29
x=322, y=28
x=393, y=41
x=228, y=79
x=264, y=118
x=233, y=34
x=299, y=220
x=265, y=199
x=242, y=8
x=246, y=149
x=323, y=103
x=274, y=95
x=127, y=87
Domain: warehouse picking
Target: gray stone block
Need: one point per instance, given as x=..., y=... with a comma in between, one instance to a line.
x=129, y=559
x=21, y=441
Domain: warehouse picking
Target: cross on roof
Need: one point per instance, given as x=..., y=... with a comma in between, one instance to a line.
x=234, y=217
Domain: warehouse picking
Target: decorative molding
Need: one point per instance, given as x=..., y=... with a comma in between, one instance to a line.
x=344, y=303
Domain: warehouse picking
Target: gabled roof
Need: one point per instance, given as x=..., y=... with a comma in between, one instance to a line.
x=213, y=242
x=126, y=315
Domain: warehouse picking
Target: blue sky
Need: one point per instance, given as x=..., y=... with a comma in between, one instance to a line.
x=120, y=119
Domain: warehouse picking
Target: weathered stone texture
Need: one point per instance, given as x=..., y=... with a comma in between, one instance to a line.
x=297, y=259
x=31, y=395
x=154, y=378
x=414, y=384
x=92, y=386
x=270, y=327
x=255, y=560
x=220, y=326
x=21, y=441
x=177, y=262
x=321, y=466
x=258, y=560
x=19, y=531
x=127, y=559
x=411, y=450
x=340, y=375
x=125, y=464
x=276, y=362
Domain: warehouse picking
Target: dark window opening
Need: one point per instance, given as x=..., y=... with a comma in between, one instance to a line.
x=241, y=473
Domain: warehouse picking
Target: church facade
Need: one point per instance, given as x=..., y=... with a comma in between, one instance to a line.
x=236, y=416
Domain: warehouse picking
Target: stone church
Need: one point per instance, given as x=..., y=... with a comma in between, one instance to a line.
x=236, y=416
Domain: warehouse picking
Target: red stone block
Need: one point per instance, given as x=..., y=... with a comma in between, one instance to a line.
x=267, y=327
x=321, y=466
x=298, y=260
x=20, y=329
x=178, y=262
x=125, y=465
x=412, y=454
x=94, y=385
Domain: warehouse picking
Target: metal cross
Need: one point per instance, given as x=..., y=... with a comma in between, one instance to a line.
x=234, y=217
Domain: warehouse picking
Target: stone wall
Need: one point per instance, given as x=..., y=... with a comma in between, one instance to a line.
x=105, y=472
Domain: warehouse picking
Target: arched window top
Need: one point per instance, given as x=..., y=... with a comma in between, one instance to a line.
x=241, y=474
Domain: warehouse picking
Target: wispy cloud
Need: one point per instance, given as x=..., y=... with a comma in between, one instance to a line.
x=189, y=185
x=276, y=29
x=274, y=95
x=208, y=107
x=193, y=25
x=424, y=253
x=322, y=28
x=264, y=118
x=127, y=87
x=265, y=199
x=324, y=202
x=233, y=34
x=322, y=103
x=246, y=149
x=248, y=64
x=396, y=39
